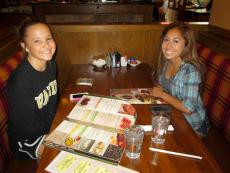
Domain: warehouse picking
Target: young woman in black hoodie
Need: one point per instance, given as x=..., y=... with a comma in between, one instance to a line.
x=32, y=91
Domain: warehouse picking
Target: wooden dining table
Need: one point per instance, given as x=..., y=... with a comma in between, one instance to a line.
x=182, y=139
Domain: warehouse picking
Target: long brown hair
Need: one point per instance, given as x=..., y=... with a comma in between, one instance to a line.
x=189, y=54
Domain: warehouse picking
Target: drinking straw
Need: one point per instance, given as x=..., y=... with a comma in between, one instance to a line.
x=174, y=153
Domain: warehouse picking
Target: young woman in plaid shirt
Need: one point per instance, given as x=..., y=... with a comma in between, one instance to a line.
x=180, y=74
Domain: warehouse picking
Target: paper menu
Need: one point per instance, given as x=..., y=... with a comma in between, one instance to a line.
x=93, y=142
x=101, y=112
x=74, y=130
x=106, y=105
x=94, y=128
x=67, y=162
x=136, y=95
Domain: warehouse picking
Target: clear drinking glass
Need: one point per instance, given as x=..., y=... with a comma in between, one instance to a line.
x=133, y=140
x=160, y=123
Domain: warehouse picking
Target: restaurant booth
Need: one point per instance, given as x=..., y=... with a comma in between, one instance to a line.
x=78, y=44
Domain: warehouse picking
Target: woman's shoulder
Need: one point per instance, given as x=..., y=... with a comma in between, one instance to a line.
x=189, y=68
x=189, y=72
x=19, y=75
x=52, y=66
x=53, y=63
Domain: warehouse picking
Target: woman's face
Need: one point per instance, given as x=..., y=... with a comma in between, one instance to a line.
x=173, y=44
x=39, y=43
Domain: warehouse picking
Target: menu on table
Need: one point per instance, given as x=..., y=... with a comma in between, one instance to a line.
x=103, y=112
x=67, y=162
x=94, y=128
x=136, y=95
x=90, y=141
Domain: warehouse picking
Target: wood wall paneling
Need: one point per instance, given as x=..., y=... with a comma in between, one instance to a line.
x=220, y=14
x=63, y=60
x=8, y=42
x=220, y=39
x=94, y=13
x=80, y=44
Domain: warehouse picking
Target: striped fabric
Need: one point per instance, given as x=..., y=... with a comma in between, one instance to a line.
x=216, y=91
x=5, y=71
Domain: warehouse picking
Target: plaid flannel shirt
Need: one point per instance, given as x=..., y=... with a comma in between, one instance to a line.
x=185, y=86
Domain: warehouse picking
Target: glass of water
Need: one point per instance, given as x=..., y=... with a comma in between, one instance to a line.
x=133, y=140
x=160, y=123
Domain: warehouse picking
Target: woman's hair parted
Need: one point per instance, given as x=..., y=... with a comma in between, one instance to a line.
x=25, y=24
x=189, y=54
x=22, y=31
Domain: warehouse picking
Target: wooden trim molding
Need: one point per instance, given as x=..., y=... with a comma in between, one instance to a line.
x=216, y=38
x=219, y=31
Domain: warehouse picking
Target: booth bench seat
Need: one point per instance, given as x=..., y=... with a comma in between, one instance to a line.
x=7, y=163
x=216, y=88
x=216, y=97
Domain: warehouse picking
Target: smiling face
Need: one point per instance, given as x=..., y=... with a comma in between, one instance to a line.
x=173, y=45
x=39, y=44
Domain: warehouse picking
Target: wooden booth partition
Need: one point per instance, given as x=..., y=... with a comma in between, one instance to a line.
x=80, y=44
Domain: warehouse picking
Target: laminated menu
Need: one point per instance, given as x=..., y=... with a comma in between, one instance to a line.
x=136, y=95
x=94, y=128
x=71, y=163
x=86, y=140
x=104, y=112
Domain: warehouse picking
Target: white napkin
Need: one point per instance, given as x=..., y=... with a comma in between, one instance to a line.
x=148, y=128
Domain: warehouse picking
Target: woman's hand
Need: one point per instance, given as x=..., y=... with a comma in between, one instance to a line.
x=157, y=91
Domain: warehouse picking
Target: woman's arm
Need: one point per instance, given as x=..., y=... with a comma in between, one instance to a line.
x=173, y=101
x=185, y=90
x=23, y=117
